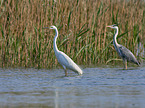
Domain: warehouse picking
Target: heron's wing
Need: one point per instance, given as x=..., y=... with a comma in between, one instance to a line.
x=127, y=54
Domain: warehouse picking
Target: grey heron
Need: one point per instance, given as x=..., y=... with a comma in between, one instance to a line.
x=122, y=51
x=63, y=59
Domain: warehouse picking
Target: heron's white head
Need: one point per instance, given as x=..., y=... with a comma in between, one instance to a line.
x=114, y=26
x=53, y=27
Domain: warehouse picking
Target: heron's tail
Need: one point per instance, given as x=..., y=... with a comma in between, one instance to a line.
x=138, y=63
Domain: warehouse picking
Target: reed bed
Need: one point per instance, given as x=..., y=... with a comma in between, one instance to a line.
x=82, y=30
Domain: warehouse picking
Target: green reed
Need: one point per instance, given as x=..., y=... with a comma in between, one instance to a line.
x=82, y=31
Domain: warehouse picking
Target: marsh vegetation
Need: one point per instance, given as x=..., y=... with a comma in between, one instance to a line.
x=82, y=30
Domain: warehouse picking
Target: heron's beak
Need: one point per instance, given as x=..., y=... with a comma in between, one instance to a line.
x=45, y=27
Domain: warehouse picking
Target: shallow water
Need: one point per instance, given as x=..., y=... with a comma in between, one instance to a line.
x=96, y=88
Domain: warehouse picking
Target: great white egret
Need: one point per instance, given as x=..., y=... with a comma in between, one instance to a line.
x=63, y=59
x=123, y=52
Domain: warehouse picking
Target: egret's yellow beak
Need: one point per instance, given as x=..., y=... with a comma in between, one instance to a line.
x=109, y=26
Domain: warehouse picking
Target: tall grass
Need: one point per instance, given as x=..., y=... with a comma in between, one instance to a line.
x=82, y=30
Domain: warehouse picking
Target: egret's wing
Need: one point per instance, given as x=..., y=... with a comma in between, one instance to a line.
x=127, y=54
x=65, y=60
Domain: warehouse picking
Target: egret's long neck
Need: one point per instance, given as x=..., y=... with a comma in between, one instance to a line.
x=114, y=37
x=54, y=41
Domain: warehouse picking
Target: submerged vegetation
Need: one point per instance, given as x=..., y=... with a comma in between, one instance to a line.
x=82, y=30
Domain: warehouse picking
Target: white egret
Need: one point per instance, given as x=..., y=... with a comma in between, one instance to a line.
x=123, y=52
x=63, y=59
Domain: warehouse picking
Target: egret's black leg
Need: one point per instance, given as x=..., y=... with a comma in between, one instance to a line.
x=65, y=70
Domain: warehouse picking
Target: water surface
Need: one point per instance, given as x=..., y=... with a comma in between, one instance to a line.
x=96, y=88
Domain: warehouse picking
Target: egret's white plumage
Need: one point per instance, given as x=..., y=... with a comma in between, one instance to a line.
x=63, y=59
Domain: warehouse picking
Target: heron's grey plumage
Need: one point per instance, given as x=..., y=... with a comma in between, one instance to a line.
x=127, y=54
x=122, y=51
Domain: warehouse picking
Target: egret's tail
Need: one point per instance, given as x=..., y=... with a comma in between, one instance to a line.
x=78, y=70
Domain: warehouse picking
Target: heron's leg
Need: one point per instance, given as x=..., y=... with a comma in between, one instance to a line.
x=125, y=63
x=65, y=70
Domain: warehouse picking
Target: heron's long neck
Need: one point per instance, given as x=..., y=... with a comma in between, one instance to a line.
x=54, y=42
x=114, y=38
